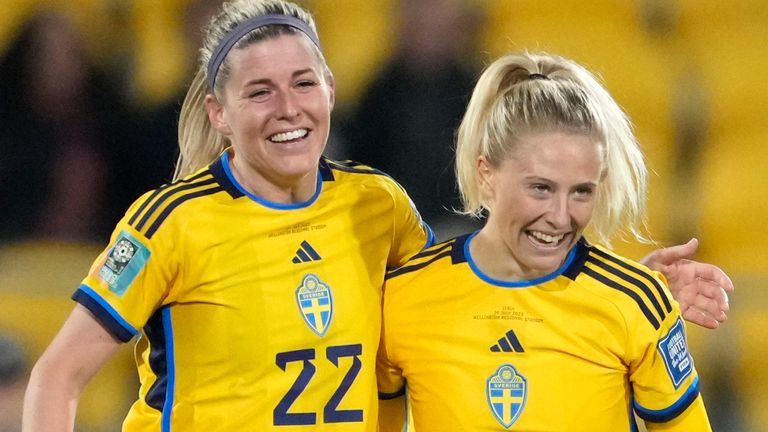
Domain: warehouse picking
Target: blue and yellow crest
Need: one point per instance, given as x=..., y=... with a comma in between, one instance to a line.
x=315, y=303
x=506, y=391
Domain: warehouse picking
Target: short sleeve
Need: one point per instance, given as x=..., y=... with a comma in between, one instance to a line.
x=411, y=233
x=664, y=380
x=129, y=280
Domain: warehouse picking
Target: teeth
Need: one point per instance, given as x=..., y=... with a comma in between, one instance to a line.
x=288, y=136
x=545, y=237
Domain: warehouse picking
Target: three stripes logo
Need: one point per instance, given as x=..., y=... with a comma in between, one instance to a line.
x=305, y=254
x=508, y=343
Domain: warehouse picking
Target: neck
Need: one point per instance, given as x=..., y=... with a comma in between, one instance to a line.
x=292, y=190
x=496, y=260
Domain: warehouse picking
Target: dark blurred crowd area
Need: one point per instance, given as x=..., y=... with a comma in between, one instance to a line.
x=75, y=150
x=77, y=147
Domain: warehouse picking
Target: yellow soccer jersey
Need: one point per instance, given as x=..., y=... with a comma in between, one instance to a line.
x=255, y=316
x=577, y=350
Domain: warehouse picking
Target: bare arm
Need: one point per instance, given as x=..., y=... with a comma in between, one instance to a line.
x=701, y=289
x=392, y=415
x=78, y=351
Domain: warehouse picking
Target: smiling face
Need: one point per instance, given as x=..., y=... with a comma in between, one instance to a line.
x=540, y=199
x=276, y=111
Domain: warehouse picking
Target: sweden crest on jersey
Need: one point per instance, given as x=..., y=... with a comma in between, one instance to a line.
x=506, y=391
x=315, y=302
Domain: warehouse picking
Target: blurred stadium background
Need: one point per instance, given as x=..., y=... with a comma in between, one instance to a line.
x=690, y=73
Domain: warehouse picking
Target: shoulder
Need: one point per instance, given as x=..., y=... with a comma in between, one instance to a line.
x=438, y=259
x=159, y=207
x=351, y=171
x=639, y=293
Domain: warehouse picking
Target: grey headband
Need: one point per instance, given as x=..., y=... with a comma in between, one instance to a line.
x=246, y=27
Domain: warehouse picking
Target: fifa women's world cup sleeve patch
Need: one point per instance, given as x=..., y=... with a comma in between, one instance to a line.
x=123, y=262
x=674, y=351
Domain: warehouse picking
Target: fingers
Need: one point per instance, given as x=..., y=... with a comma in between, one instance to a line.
x=668, y=255
x=713, y=291
x=700, y=318
x=706, y=306
x=671, y=254
x=714, y=274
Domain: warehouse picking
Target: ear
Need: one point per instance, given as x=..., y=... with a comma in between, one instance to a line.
x=484, y=172
x=216, y=116
x=485, y=180
x=331, y=90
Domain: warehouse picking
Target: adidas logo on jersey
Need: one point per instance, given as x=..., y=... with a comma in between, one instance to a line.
x=305, y=254
x=508, y=343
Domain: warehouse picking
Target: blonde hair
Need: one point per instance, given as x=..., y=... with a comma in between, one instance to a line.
x=526, y=92
x=199, y=143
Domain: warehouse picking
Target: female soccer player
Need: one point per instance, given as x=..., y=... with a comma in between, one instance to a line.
x=253, y=282
x=528, y=324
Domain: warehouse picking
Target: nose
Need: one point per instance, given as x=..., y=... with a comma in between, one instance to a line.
x=287, y=106
x=558, y=215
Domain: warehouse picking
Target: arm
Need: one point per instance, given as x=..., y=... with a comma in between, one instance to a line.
x=78, y=351
x=693, y=419
x=700, y=289
x=392, y=414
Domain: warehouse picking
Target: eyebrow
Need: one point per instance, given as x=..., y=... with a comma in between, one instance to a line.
x=550, y=181
x=269, y=81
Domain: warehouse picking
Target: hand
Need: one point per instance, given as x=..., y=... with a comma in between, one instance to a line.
x=700, y=289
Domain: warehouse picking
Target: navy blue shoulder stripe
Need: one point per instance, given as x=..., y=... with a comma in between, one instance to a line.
x=410, y=268
x=617, y=286
x=354, y=167
x=159, y=190
x=325, y=170
x=433, y=250
x=644, y=274
x=169, y=194
x=631, y=280
x=582, y=253
x=178, y=201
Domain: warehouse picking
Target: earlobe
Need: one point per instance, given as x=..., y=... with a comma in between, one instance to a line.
x=215, y=112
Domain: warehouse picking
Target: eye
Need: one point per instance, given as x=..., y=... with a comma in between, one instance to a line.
x=259, y=94
x=586, y=191
x=541, y=187
x=306, y=84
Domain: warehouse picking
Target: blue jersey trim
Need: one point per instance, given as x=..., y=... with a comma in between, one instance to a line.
x=171, y=369
x=517, y=284
x=431, y=238
x=670, y=413
x=105, y=313
x=266, y=203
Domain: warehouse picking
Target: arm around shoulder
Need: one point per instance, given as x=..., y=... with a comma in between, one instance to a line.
x=75, y=355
